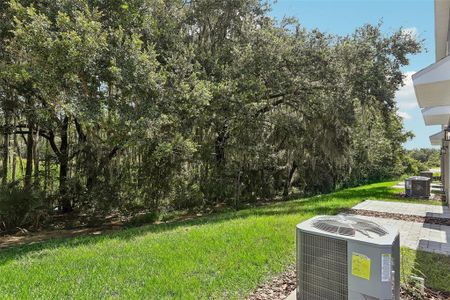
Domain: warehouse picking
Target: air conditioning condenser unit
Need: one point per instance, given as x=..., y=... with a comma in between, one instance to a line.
x=345, y=257
x=428, y=174
x=418, y=186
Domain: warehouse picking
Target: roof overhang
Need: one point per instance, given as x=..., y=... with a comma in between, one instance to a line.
x=436, y=115
x=441, y=25
x=432, y=84
x=436, y=139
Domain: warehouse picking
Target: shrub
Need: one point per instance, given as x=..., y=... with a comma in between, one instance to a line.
x=143, y=218
x=18, y=207
x=187, y=195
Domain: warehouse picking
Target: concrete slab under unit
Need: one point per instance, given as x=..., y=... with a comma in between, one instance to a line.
x=292, y=296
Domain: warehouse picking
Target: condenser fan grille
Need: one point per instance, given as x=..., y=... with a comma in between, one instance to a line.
x=348, y=226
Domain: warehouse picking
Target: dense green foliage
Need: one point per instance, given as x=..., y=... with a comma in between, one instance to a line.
x=417, y=160
x=154, y=104
x=423, y=159
x=222, y=256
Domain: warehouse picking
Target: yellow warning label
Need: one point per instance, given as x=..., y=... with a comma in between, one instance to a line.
x=360, y=266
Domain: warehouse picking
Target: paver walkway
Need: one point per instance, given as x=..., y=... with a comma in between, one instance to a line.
x=414, y=235
x=422, y=210
x=419, y=236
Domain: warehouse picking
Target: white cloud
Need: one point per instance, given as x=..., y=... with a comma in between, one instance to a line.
x=405, y=96
x=404, y=115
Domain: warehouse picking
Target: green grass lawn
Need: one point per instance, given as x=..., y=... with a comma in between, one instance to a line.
x=219, y=256
x=434, y=268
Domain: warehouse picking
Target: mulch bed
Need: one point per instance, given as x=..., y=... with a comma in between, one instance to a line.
x=278, y=288
x=438, y=197
x=428, y=294
x=283, y=285
x=429, y=220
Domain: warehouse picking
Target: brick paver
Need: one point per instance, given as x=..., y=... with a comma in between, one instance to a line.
x=419, y=236
x=415, y=235
x=422, y=210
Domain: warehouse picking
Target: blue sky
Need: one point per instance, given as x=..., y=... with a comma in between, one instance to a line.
x=343, y=16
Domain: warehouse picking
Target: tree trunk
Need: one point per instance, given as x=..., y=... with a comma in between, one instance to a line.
x=220, y=142
x=287, y=185
x=65, y=205
x=47, y=169
x=90, y=181
x=238, y=189
x=19, y=154
x=36, y=158
x=13, y=171
x=5, y=148
x=90, y=165
x=14, y=158
x=29, y=164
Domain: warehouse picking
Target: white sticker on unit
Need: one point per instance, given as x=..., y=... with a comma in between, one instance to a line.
x=386, y=267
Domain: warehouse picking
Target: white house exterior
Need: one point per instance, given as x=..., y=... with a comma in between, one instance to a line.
x=432, y=88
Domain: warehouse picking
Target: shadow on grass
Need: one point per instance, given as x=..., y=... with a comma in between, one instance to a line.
x=435, y=268
x=323, y=204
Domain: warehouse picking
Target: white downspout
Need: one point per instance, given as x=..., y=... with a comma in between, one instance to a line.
x=446, y=173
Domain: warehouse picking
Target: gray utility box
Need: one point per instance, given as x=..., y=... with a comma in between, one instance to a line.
x=428, y=174
x=418, y=186
x=345, y=257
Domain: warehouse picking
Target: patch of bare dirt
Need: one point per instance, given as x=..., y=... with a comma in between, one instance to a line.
x=74, y=225
x=25, y=237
